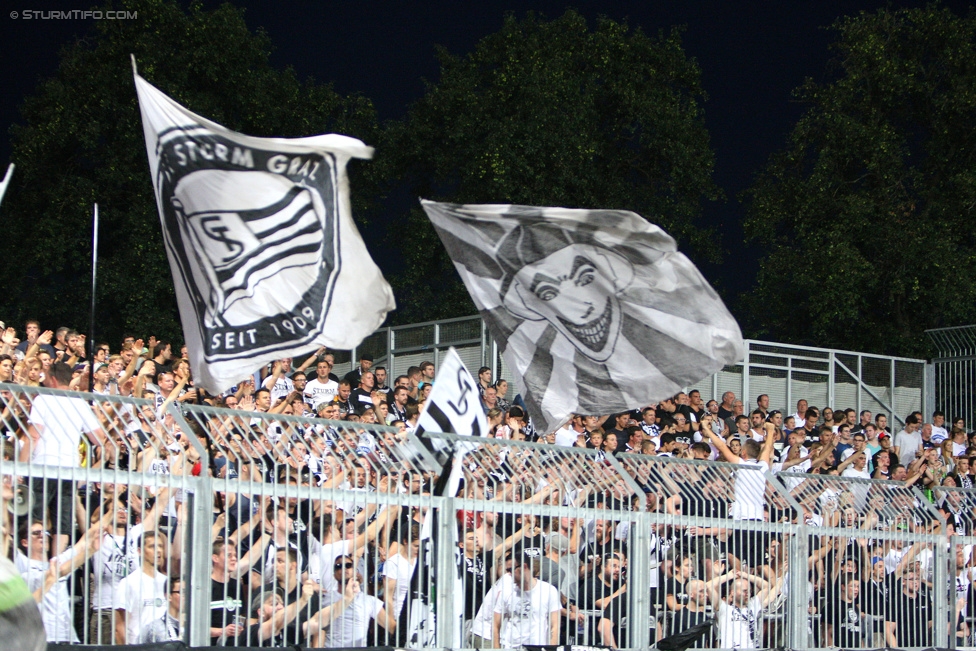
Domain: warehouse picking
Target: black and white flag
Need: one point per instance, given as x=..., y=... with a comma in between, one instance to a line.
x=259, y=234
x=595, y=311
x=453, y=407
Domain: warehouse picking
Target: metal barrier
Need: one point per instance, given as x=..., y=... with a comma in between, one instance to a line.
x=894, y=386
x=551, y=545
x=244, y=528
x=954, y=370
x=875, y=562
x=309, y=515
x=107, y=484
x=712, y=527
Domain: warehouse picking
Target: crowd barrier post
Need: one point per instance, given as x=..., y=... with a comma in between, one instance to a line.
x=521, y=508
x=200, y=498
x=890, y=538
x=107, y=481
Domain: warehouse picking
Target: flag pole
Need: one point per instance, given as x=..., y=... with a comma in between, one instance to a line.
x=91, y=323
x=6, y=181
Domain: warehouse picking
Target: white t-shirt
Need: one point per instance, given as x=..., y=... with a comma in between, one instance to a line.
x=116, y=558
x=349, y=629
x=400, y=570
x=56, y=606
x=143, y=598
x=60, y=422
x=526, y=613
x=482, y=622
x=281, y=389
x=907, y=444
x=316, y=391
x=739, y=627
x=750, y=490
x=939, y=434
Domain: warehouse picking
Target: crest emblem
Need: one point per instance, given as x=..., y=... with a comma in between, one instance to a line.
x=255, y=237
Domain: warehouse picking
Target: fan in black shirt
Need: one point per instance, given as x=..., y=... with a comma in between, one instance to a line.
x=844, y=616
x=606, y=593
x=913, y=624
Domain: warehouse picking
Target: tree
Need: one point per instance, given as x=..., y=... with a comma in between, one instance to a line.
x=82, y=141
x=551, y=113
x=867, y=215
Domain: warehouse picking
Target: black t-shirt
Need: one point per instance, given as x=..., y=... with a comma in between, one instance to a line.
x=685, y=619
x=724, y=413
x=477, y=582
x=914, y=616
x=847, y=622
x=875, y=598
x=359, y=400
x=250, y=636
x=591, y=589
x=293, y=631
x=678, y=590
x=225, y=607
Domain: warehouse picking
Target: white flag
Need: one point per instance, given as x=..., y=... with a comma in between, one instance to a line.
x=259, y=234
x=454, y=404
x=453, y=407
x=595, y=311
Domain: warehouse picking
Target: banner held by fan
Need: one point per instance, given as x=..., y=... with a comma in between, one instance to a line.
x=453, y=407
x=595, y=311
x=265, y=256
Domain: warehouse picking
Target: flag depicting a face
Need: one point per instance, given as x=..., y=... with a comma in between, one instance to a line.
x=595, y=311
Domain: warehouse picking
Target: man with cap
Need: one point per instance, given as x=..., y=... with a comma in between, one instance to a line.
x=355, y=375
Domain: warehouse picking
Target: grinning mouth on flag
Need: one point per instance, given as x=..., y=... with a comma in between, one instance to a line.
x=593, y=334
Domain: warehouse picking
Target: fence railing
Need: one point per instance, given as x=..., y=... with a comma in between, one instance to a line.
x=894, y=386
x=242, y=528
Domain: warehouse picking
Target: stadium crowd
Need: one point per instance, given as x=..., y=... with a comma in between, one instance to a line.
x=317, y=527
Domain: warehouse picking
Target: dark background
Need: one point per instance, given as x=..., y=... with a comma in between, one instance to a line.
x=752, y=55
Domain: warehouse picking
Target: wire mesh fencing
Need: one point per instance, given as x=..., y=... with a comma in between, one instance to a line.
x=136, y=522
x=875, y=572
x=98, y=494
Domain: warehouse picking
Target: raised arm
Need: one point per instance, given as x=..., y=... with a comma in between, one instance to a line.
x=721, y=446
x=766, y=455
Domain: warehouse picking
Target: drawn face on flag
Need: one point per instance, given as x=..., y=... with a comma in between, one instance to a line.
x=574, y=288
x=594, y=311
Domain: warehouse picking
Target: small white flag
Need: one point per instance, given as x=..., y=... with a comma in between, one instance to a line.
x=454, y=404
x=259, y=234
x=595, y=311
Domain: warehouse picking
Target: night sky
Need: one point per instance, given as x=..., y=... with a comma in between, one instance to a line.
x=752, y=55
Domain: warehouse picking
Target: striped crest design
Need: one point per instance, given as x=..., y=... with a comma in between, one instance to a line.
x=261, y=242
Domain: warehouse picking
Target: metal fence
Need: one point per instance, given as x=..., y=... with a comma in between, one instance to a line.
x=236, y=527
x=824, y=377
x=954, y=370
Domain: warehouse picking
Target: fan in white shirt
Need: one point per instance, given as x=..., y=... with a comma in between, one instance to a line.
x=47, y=578
x=141, y=596
x=321, y=389
x=529, y=612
